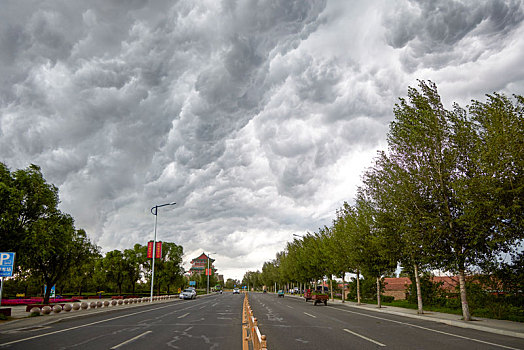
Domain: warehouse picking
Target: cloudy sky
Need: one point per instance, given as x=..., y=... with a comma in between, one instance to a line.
x=256, y=117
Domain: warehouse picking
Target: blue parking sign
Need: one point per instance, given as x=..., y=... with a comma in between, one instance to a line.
x=7, y=262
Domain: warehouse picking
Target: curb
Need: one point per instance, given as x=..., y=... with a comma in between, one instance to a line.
x=46, y=320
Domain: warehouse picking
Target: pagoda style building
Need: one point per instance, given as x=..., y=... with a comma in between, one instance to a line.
x=199, y=265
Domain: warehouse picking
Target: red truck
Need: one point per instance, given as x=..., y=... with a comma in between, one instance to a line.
x=316, y=296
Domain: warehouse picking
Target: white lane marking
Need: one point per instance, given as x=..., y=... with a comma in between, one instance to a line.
x=130, y=340
x=310, y=315
x=184, y=315
x=429, y=329
x=187, y=329
x=291, y=307
x=81, y=326
x=363, y=337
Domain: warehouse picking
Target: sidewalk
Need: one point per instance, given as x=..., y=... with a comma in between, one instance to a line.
x=509, y=328
x=20, y=318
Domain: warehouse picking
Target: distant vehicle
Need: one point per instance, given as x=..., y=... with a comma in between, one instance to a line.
x=280, y=293
x=265, y=291
x=189, y=293
x=236, y=291
x=317, y=296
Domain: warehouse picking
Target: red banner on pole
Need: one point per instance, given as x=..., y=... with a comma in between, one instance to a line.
x=158, y=250
x=149, y=249
x=208, y=272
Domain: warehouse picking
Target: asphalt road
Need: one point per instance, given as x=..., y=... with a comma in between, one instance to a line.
x=291, y=323
x=211, y=322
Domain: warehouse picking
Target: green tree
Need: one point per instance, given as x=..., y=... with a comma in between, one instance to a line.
x=137, y=261
x=377, y=240
x=56, y=247
x=499, y=131
x=341, y=249
x=169, y=269
x=26, y=198
x=440, y=149
x=81, y=276
x=116, y=269
x=231, y=283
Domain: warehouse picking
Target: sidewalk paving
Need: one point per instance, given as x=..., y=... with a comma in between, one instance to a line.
x=20, y=318
x=509, y=328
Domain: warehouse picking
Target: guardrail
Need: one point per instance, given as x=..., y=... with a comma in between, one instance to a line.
x=250, y=330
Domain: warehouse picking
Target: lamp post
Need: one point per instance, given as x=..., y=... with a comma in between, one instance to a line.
x=154, y=211
x=207, y=271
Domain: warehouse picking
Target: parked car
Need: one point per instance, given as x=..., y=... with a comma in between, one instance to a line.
x=188, y=293
x=236, y=291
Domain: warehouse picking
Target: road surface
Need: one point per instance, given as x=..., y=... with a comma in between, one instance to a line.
x=291, y=323
x=211, y=322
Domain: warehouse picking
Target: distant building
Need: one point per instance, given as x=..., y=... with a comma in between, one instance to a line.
x=398, y=287
x=199, y=265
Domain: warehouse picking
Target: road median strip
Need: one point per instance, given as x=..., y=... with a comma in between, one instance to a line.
x=250, y=330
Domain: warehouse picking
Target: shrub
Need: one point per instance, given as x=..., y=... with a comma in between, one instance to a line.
x=387, y=298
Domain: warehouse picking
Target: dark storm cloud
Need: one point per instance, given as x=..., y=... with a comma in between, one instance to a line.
x=431, y=29
x=255, y=116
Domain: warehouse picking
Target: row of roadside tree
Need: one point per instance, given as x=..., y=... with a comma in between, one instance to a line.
x=447, y=194
x=51, y=251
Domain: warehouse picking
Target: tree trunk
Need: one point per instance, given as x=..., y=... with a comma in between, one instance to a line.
x=358, y=287
x=343, y=287
x=420, y=309
x=466, y=316
x=47, y=292
x=378, y=292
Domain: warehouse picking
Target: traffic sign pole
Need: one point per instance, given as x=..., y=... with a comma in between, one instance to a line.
x=1, y=288
x=7, y=262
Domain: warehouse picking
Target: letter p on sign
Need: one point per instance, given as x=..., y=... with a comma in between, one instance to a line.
x=5, y=257
x=7, y=260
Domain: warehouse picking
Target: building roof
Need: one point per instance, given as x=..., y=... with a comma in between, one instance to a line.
x=203, y=256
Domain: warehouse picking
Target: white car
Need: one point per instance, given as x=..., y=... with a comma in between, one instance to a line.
x=236, y=291
x=188, y=294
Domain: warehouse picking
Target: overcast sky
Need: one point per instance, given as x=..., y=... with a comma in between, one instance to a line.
x=256, y=117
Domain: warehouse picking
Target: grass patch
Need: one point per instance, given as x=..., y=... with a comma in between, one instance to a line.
x=510, y=313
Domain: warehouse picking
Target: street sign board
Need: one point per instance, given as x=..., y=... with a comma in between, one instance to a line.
x=158, y=249
x=7, y=262
x=52, y=294
x=192, y=283
x=149, y=249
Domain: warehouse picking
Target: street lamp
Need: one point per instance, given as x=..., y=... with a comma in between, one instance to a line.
x=154, y=211
x=207, y=271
